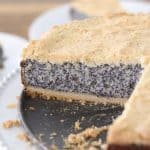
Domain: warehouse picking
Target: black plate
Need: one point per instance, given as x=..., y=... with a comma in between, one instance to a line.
x=43, y=118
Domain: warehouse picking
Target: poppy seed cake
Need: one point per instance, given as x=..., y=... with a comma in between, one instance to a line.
x=98, y=57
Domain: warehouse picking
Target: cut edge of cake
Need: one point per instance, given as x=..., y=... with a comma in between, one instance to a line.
x=131, y=129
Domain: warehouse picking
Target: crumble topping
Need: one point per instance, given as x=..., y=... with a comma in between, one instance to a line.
x=119, y=38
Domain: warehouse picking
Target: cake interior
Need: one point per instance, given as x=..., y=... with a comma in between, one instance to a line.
x=132, y=127
x=105, y=80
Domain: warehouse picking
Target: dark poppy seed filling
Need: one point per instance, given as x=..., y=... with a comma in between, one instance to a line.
x=106, y=80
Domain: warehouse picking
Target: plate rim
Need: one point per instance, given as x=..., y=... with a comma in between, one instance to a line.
x=23, y=39
x=43, y=14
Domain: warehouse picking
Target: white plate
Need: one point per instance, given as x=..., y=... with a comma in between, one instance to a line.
x=12, y=47
x=8, y=95
x=47, y=20
x=61, y=15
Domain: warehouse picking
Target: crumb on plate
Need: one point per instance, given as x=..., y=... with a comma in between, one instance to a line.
x=12, y=105
x=24, y=137
x=77, y=125
x=31, y=108
x=11, y=123
x=87, y=139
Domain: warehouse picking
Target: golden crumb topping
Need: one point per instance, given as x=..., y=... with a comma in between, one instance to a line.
x=109, y=39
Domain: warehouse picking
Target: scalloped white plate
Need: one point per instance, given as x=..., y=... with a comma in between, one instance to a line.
x=12, y=47
x=61, y=15
x=8, y=95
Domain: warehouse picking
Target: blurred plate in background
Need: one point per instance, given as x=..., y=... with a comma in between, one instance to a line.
x=61, y=15
x=47, y=20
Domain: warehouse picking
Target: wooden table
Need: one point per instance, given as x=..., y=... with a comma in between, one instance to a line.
x=17, y=15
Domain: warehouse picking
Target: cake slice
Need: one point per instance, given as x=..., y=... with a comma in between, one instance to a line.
x=132, y=129
x=97, y=59
x=81, y=9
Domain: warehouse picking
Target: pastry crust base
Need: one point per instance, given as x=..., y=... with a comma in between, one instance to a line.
x=49, y=95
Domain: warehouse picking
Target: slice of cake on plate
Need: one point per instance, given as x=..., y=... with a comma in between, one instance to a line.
x=81, y=9
x=96, y=59
x=132, y=129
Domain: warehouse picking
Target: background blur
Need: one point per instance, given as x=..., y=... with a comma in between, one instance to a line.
x=17, y=15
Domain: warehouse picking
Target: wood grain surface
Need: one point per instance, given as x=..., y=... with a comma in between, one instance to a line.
x=17, y=15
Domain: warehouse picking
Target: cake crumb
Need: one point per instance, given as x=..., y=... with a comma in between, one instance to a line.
x=52, y=135
x=11, y=123
x=40, y=136
x=31, y=108
x=12, y=105
x=24, y=137
x=83, y=118
x=77, y=125
x=87, y=139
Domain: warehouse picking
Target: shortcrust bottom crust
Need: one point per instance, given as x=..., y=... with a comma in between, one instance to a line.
x=49, y=95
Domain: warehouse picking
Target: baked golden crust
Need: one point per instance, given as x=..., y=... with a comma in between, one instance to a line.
x=133, y=126
x=117, y=38
x=52, y=94
x=97, y=7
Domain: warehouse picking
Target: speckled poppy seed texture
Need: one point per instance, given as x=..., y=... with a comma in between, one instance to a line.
x=106, y=80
